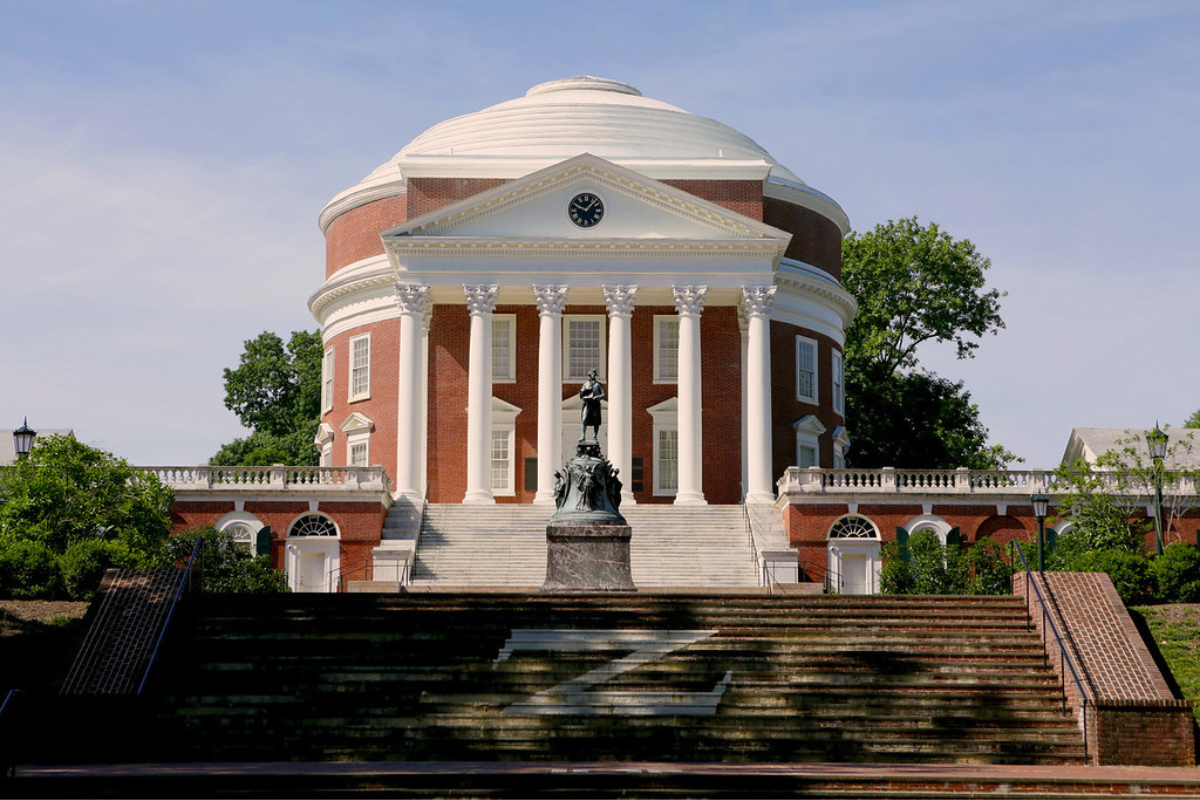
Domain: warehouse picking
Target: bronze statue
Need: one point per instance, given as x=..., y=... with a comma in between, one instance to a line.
x=591, y=393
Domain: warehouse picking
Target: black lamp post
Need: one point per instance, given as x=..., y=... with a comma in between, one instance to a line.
x=23, y=439
x=1040, y=504
x=1157, y=440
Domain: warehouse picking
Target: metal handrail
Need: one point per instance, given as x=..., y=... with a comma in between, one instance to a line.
x=828, y=573
x=184, y=582
x=1047, y=619
x=762, y=577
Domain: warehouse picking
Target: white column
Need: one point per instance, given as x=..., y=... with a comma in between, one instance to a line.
x=756, y=303
x=423, y=465
x=551, y=300
x=744, y=335
x=481, y=301
x=412, y=300
x=689, y=303
x=620, y=301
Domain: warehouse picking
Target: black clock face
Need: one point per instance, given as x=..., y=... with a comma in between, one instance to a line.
x=585, y=209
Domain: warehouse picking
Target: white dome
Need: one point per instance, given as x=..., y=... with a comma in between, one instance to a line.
x=560, y=119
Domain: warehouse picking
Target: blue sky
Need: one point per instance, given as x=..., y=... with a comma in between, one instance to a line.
x=162, y=166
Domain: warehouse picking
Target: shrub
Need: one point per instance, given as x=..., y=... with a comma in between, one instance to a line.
x=1176, y=574
x=894, y=576
x=84, y=564
x=992, y=574
x=225, y=566
x=28, y=570
x=1130, y=572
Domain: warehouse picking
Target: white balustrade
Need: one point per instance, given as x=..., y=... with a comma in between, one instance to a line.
x=273, y=478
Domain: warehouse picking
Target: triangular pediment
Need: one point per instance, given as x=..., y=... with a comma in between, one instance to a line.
x=358, y=422
x=639, y=213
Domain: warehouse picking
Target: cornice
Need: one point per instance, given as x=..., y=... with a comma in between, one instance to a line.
x=833, y=294
x=810, y=198
x=360, y=196
x=620, y=248
x=382, y=278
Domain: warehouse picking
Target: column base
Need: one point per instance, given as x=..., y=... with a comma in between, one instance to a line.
x=479, y=499
x=546, y=499
x=690, y=499
x=760, y=498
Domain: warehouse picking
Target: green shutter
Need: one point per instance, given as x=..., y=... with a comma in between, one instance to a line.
x=262, y=542
x=954, y=538
x=1051, y=540
x=902, y=541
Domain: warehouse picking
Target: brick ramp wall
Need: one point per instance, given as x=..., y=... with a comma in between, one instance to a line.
x=1132, y=716
x=126, y=620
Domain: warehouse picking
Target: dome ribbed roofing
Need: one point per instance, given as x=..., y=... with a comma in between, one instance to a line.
x=560, y=119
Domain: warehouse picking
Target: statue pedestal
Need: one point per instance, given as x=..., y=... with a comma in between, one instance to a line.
x=588, y=557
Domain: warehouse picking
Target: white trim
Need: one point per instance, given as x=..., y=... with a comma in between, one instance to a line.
x=299, y=548
x=358, y=428
x=808, y=434
x=241, y=519
x=802, y=343
x=568, y=321
x=930, y=522
x=838, y=383
x=504, y=370
x=327, y=380
x=662, y=321
x=666, y=420
x=356, y=371
x=841, y=444
x=504, y=424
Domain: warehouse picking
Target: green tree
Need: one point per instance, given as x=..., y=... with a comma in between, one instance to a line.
x=225, y=566
x=926, y=566
x=1194, y=420
x=276, y=393
x=915, y=284
x=73, y=506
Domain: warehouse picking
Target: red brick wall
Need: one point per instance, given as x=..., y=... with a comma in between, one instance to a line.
x=430, y=194
x=382, y=404
x=449, y=358
x=354, y=235
x=360, y=523
x=786, y=409
x=815, y=239
x=744, y=197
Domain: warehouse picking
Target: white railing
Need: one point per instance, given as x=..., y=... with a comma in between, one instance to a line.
x=797, y=481
x=274, y=478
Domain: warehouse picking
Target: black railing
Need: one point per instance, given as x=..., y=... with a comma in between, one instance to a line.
x=763, y=577
x=184, y=584
x=1064, y=655
x=831, y=579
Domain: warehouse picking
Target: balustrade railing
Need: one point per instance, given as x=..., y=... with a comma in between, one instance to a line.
x=797, y=481
x=274, y=478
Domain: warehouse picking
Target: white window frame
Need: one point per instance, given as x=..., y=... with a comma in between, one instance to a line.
x=358, y=428
x=504, y=424
x=666, y=419
x=661, y=322
x=808, y=434
x=802, y=343
x=841, y=443
x=324, y=443
x=365, y=394
x=839, y=383
x=327, y=374
x=504, y=370
x=235, y=520
x=569, y=320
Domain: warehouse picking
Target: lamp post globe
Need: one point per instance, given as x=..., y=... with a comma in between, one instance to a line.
x=23, y=439
x=1041, y=504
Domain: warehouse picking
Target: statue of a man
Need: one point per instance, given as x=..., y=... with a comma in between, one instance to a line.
x=591, y=393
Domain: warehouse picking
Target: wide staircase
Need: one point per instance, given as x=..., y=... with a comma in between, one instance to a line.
x=512, y=678
x=504, y=547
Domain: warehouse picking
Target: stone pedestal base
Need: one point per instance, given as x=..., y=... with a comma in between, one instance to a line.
x=587, y=557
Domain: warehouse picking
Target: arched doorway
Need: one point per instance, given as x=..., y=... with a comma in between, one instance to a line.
x=854, y=562
x=312, y=554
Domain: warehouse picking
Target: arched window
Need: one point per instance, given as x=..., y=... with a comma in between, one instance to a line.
x=312, y=525
x=853, y=527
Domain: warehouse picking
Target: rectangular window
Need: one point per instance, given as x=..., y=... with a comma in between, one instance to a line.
x=502, y=472
x=504, y=348
x=360, y=367
x=806, y=370
x=667, y=467
x=583, y=347
x=358, y=455
x=327, y=381
x=666, y=349
x=839, y=381
x=807, y=456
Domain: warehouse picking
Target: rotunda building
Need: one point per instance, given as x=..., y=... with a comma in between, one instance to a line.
x=476, y=278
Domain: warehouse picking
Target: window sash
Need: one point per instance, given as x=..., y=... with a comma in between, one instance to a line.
x=360, y=367
x=358, y=454
x=806, y=369
x=584, y=348
x=503, y=347
x=667, y=468
x=327, y=382
x=501, y=461
x=839, y=376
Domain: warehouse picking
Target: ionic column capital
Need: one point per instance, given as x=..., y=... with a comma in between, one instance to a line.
x=620, y=300
x=757, y=300
x=481, y=299
x=412, y=298
x=550, y=300
x=689, y=300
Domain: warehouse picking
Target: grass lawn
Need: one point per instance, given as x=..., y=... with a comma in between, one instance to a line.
x=1176, y=631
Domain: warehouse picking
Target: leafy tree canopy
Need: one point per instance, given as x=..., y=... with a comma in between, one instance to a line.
x=276, y=393
x=915, y=284
x=1194, y=420
x=225, y=566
